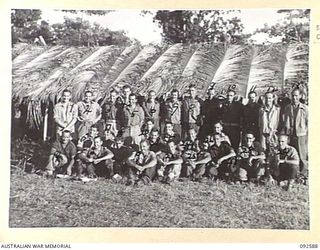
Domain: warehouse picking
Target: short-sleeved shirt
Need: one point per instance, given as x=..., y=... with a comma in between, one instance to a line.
x=217, y=152
x=245, y=152
x=157, y=146
x=191, y=110
x=173, y=112
x=135, y=116
x=121, y=154
x=142, y=159
x=69, y=150
x=89, y=111
x=85, y=141
x=65, y=113
x=95, y=153
x=190, y=149
x=289, y=153
x=175, y=137
x=152, y=110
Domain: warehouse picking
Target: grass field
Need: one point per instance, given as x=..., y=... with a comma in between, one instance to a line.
x=36, y=201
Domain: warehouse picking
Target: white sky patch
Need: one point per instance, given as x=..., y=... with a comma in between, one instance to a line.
x=146, y=31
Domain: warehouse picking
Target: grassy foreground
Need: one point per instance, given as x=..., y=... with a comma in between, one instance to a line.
x=39, y=202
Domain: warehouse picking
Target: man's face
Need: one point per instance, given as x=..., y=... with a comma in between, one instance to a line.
x=252, y=98
x=249, y=139
x=172, y=147
x=88, y=97
x=119, y=143
x=283, y=142
x=149, y=125
x=126, y=91
x=269, y=99
x=65, y=138
x=192, y=134
x=154, y=136
x=217, y=128
x=144, y=147
x=152, y=95
x=296, y=96
x=217, y=140
x=113, y=96
x=66, y=96
x=174, y=96
x=132, y=100
x=230, y=96
x=97, y=142
x=192, y=92
x=93, y=132
x=169, y=127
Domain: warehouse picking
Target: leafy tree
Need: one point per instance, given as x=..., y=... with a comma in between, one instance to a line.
x=294, y=27
x=23, y=24
x=198, y=26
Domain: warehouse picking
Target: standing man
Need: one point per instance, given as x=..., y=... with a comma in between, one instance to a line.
x=65, y=114
x=152, y=108
x=134, y=117
x=251, y=116
x=173, y=111
x=89, y=113
x=61, y=158
x=111, y=112
x=190, y=112
x=231, y=118
x=269, y=117
x=296, y=125
x=126, y=89
x=209, y=114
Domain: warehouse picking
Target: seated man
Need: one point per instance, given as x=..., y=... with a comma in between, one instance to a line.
x=86, y=141
x=223, y=159
x=169, y=163
x=147, y=128
x=121, y=154
x=155, y=141
x=61, y=158
x=285, y=164
x=170, y=134
x=108, y=137
x=141, y=165
x=251, y=159
x=96, y=161
x=218, y=128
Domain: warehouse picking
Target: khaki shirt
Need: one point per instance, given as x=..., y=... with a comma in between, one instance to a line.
x=64, y=113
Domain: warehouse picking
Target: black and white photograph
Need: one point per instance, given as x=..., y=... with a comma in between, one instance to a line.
x=160, y=118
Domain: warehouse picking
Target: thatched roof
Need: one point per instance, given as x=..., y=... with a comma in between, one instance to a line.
x=38, y=72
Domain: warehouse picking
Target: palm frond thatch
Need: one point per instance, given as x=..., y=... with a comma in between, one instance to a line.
x=267, y=68
x=202, y=67
x=234, y=69
x=28, y=54
x=164, y=74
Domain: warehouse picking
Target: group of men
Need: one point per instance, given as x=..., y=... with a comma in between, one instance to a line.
x=175, y=137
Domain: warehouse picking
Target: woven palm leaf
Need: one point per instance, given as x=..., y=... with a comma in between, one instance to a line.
x=124, y=59
x=140, y=64
x=234, y=69
x=296, y=68
x=267, y=68
x=164, y=74
x=26, y=55
x=202, y=67
x=18, y=49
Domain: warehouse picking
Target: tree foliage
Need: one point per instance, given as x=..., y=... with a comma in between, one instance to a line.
x=198, y=26
x=294, y=27
x=72, y=32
